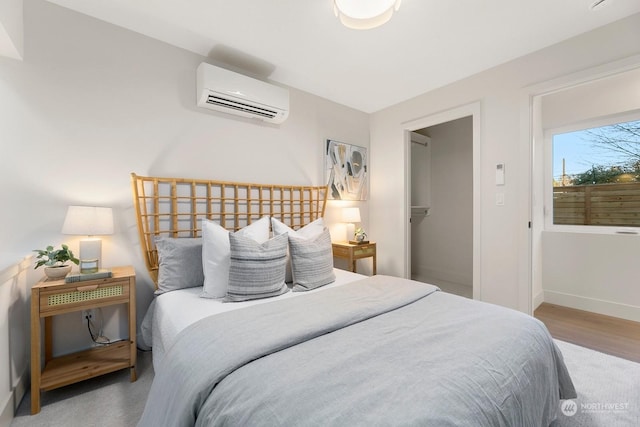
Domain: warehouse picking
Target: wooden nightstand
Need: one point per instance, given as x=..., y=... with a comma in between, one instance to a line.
x=352, y=253
x=53, y=297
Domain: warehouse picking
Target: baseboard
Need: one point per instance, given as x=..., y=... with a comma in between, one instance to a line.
x=454, y=288
x=9, y=407
x=538, y=299
x=444, y=276
x=20, y=390
x=6, y=411
x=608, y=308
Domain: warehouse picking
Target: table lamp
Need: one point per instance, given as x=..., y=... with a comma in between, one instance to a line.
x=350, y=216
x=89, y=221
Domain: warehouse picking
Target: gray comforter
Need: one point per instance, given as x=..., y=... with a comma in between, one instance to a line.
x=381, y=351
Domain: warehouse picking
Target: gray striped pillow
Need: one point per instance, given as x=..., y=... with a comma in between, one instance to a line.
x=311, y=261
x=256, y=270
x=313, y=229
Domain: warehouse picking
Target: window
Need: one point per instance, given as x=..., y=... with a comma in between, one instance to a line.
x=596, y=175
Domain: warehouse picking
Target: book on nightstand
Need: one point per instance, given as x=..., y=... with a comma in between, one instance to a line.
x=81, y=277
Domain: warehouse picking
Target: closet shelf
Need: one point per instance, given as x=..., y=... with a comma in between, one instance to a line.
x=420, y=210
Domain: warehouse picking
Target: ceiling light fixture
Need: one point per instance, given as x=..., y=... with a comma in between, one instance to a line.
x=364, y=14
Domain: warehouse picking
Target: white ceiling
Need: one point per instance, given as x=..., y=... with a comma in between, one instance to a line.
x=427, y=44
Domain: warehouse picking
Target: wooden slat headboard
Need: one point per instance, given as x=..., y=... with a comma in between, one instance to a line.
x=175, y=207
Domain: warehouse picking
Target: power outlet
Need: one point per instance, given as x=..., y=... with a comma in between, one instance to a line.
x=88, y=313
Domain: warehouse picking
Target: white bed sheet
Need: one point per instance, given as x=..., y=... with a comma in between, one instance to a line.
x=173, y=311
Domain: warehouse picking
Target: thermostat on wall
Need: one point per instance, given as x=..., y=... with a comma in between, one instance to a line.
x=500, y=174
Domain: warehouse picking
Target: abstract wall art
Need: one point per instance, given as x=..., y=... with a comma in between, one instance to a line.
x=346, y=171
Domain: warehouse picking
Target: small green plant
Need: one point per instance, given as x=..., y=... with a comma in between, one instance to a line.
x=50, y=257
x=359, y=234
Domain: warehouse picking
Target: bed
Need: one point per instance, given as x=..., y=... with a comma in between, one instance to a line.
x=355, y=350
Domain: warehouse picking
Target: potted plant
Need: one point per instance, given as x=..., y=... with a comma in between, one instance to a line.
x=359, y=235
x=55, y=261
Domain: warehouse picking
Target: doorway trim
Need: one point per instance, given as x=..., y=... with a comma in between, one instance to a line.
x=531, y=160
x=474, y=110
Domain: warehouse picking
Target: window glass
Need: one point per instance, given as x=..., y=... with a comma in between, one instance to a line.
x=596, y=176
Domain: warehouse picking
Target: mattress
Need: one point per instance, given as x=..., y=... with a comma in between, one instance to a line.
x=172, y=312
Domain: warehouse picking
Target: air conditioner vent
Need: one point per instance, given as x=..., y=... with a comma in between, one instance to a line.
x=233, y=93
x=216, y=100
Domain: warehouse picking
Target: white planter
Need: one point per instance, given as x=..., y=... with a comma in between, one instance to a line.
x=57, y=272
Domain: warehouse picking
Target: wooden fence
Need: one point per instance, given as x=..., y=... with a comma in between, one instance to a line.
x=599, y=204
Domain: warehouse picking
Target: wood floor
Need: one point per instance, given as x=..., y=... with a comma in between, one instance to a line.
x=605, y=334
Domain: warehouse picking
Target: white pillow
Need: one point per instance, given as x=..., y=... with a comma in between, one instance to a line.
x=216, y=253
x=309, y=231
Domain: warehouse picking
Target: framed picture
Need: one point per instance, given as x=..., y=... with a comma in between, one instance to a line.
x=346, y=171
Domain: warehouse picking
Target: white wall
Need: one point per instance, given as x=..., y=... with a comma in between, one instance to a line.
x=92, y=102
x=504, y=268
x=11, y=36
x=601, y=98
x=15, y=280
x=590, y=271
x=442, y=243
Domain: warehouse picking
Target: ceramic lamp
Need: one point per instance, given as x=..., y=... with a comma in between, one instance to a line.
x=351, y=216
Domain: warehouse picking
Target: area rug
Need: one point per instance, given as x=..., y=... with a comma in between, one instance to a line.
x=608, y=390
x=110, y=400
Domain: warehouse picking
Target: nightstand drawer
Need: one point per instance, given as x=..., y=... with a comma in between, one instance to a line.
x=70, y=297
x=341, y=252
x=364, y=251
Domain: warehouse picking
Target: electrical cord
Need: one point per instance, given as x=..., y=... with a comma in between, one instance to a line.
x=97, y=338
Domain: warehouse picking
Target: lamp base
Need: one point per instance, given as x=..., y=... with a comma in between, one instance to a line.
x=351, y=228
x=89, y=266
x=90, y=254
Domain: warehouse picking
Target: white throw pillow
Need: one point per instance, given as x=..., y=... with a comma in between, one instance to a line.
x=309, y=231
x=216, y=253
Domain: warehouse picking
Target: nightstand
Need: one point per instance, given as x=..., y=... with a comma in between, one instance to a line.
x=353, y=252
x=52, y=297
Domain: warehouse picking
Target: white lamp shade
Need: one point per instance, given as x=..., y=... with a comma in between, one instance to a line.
x=88, y=221
x=351, y=215
x=364, y=14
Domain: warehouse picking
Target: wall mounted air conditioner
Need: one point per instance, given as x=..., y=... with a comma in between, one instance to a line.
x=233, y=93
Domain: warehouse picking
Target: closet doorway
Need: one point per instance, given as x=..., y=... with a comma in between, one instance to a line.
x=443, y=215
